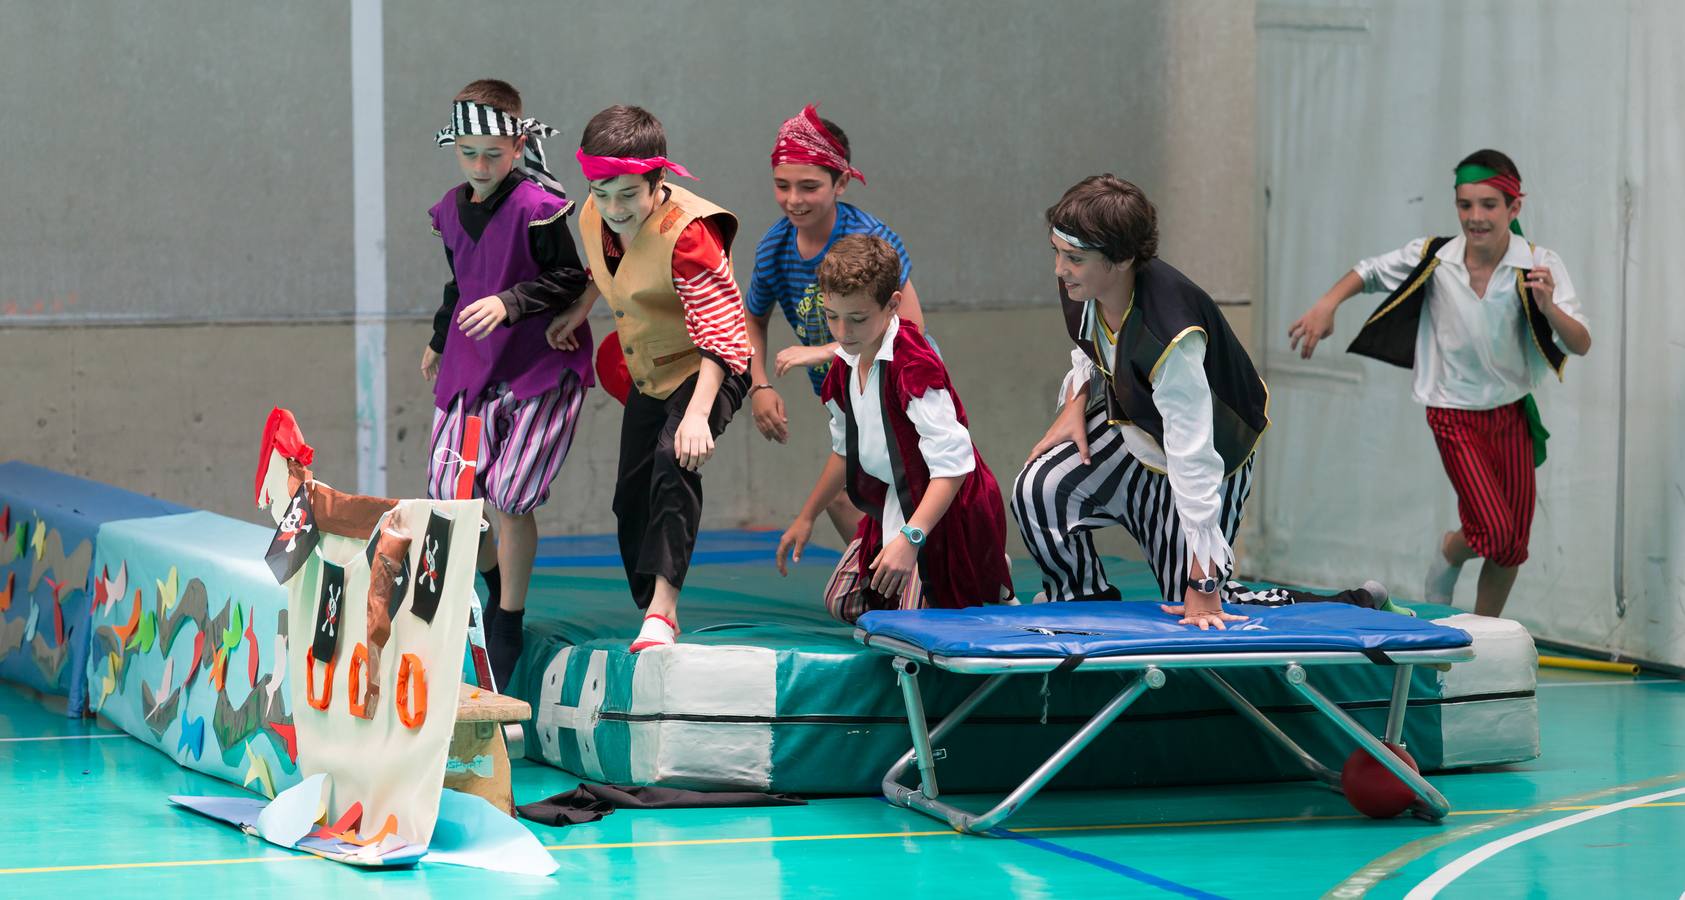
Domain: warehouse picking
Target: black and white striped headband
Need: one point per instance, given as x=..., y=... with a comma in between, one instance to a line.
x=470, y=118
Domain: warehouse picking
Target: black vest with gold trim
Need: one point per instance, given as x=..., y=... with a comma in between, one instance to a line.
x=1390, y=333
x=1167, y=307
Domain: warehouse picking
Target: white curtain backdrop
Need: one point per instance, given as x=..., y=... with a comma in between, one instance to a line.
x=1364, y=109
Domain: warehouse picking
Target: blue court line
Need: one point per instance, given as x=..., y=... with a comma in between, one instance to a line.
x=1146, y=878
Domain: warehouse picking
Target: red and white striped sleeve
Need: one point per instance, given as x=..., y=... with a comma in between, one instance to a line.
x=714, y=315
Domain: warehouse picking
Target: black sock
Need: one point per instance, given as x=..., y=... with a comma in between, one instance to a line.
x=494, y=594
x=503, y=645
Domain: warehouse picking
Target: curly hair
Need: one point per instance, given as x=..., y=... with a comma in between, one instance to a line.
x=861, y=262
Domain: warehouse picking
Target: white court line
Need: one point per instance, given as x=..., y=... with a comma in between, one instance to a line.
x=1438, y=881
x=1566, y=684
x=64, y=737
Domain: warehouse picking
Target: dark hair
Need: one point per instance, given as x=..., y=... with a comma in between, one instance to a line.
x=492, y=92
x=626, y=131
x=1108, y=213
x=842, y=140
x=861, y=262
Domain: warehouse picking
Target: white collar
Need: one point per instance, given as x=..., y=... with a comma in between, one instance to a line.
x=886, y=352
x=1518, y=255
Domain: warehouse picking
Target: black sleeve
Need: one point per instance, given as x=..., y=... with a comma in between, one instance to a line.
x=442, y=318
x=561, y=279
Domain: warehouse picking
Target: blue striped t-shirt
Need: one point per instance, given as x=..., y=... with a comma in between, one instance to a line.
x=784, y=277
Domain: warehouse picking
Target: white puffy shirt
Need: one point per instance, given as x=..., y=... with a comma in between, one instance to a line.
x=1473, y=352
x=944, y=443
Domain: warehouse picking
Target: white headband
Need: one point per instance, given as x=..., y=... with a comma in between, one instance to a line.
x=1072, y=239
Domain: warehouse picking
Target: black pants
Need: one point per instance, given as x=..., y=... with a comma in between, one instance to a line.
x=657, y=502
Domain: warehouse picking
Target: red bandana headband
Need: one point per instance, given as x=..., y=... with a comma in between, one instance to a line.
x=805, y=141
x=597, y=168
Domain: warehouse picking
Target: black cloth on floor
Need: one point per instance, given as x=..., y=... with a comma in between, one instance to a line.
x=590, y=802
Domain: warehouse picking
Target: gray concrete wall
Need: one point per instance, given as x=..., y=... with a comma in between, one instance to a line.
x=970, y=121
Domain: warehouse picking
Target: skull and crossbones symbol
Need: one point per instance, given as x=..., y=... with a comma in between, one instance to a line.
x=293, y=523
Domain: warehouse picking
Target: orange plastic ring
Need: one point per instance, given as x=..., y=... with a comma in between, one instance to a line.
x=410, y=667
x=357, y=694
x=310, y=683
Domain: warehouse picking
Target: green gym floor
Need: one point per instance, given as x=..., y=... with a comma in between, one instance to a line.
x=1599, y=815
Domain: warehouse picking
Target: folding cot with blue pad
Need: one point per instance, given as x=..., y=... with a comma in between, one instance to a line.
x=1142, y=643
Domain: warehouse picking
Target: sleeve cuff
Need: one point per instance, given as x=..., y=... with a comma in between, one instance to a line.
x=1082, y=370
x=1208, y=548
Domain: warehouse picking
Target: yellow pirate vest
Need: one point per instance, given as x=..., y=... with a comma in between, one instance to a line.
x=649, y=315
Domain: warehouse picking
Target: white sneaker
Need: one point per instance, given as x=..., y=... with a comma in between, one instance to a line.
x=1442, y=579
x=658, y=631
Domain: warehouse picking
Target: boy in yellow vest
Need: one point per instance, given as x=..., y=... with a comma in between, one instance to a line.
x=662, y=257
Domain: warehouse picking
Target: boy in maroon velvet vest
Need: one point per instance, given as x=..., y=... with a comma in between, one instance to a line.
x=934, y=533
x=513, y=267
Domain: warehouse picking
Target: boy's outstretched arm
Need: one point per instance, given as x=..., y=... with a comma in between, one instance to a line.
x=1318, y=322
x=796, y=536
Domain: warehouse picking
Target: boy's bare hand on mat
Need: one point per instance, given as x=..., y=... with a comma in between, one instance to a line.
x=791, y=544
x=429, y=363
x=693, y=443
x=482, y=317
x=1204, y=610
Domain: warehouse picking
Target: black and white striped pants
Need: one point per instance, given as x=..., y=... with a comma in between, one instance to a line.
x=1058, y=501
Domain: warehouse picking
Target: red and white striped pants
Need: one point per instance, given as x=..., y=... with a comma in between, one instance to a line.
x=1488, y=454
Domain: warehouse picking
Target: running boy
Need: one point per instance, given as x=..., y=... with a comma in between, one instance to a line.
x=1481, y=318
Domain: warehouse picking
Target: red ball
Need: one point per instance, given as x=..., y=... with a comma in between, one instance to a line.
x=1373, y=790
x=611, y=368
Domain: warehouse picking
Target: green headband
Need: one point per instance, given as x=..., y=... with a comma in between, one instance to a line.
x=1508, y=184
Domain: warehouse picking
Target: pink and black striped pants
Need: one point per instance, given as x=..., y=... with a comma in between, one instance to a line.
x=1488, y=454
x=521, y=450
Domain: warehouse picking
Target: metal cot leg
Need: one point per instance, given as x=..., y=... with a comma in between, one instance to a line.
x=1433, y=805
x=925, y=800
x=1256, y=716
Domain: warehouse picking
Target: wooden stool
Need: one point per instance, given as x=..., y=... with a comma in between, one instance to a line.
x=479, y=758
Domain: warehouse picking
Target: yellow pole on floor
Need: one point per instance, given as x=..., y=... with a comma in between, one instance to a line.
x=1587, y=665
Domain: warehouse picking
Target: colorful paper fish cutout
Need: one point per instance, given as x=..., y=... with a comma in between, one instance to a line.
x=257, y=769
x=192, y=737
x=167, y=591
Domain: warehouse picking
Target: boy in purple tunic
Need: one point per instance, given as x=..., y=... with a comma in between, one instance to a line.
x=514, y=267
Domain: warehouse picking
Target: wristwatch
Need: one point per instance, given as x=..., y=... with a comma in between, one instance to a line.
x=914, y=535
x=1206, y=585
